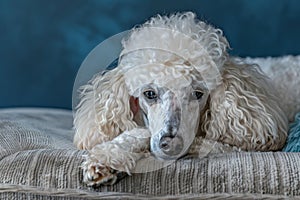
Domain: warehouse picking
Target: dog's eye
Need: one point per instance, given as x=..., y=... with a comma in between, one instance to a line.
x=150, y=94
x=197, y=94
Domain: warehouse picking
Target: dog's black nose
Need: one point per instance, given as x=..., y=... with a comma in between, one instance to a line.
x=171, y=145
x=164, y=143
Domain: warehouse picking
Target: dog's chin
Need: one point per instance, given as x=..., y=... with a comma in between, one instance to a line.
x=162, y=155
x=158, y=154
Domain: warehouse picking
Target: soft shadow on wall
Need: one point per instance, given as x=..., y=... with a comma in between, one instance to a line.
x=44, y=42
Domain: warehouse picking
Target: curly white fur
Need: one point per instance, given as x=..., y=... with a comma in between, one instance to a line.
x=242, y=110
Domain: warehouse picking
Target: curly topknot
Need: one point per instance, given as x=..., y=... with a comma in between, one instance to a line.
x=181, y=34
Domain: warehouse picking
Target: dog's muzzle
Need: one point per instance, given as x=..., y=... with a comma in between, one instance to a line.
x=167, y=144
x=171, y=146
x=167, y=147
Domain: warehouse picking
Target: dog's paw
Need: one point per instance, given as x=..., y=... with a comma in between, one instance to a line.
x=107, y=163
x=95, y=175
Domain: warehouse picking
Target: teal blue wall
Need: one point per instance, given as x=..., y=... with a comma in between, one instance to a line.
x=42, y=42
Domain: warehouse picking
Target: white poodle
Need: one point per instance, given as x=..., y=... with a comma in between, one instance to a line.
x=174, y=92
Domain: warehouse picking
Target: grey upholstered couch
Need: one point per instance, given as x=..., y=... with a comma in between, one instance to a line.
x=39, y=161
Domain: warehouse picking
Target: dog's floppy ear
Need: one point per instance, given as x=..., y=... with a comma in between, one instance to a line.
x=244, y=111
x=103, y=111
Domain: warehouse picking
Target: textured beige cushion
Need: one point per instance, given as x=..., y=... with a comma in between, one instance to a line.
x=39, y=161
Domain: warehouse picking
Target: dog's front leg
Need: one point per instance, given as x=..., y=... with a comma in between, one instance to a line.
x=201, y=147
x=105, y=161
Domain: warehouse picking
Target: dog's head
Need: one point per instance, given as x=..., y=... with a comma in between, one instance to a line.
x=170, y=64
